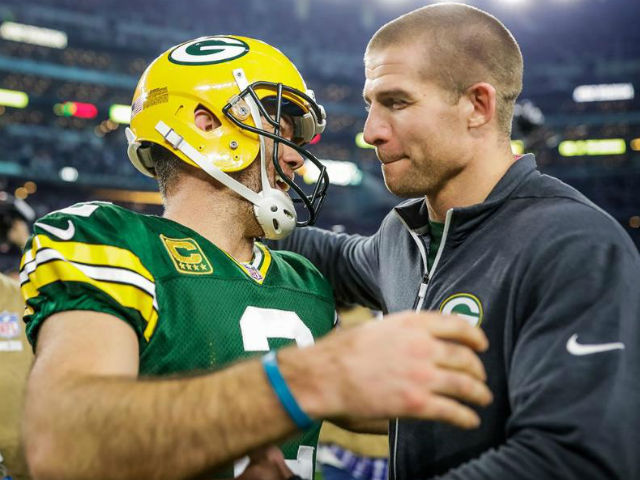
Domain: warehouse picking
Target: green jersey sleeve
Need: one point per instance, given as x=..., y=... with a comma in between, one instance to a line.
x=77, y=259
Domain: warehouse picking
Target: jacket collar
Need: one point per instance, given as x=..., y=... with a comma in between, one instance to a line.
x=415, y=215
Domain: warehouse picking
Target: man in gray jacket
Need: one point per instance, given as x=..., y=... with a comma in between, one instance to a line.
x=551, y=279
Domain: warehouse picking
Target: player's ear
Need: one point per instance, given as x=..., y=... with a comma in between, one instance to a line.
x=481, y=103
x=205, y=120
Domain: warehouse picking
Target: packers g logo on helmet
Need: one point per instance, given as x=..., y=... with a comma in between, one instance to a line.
x=249, y=86
x=209, y=51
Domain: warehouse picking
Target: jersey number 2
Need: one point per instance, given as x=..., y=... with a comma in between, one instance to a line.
x=258, y=325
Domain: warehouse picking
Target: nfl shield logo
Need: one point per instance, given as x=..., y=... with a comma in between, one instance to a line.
x=254, y=272
x=9, y=325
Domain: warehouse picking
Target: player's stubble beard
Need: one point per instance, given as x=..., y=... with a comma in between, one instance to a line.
x=422, y=180
x=249, y=177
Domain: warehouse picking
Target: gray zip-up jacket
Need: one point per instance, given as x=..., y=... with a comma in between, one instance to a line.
x=555, y=284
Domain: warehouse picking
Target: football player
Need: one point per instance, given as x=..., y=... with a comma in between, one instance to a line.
x=140, y=322
x=15, y=355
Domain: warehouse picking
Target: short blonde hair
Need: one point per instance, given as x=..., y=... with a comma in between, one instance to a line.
x=464, y=45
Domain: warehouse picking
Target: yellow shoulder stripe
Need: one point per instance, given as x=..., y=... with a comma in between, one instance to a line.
x=106, y=255
x=130, y=288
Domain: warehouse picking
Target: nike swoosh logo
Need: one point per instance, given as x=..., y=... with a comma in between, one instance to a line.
x=64, y=234
x=575, y=348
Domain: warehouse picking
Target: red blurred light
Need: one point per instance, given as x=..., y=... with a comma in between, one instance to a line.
x=84, y=110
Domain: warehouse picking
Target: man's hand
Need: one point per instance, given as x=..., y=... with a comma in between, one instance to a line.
x=266, y=464
x=416, y=365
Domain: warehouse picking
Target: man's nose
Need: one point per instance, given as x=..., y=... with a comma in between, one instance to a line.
x=376, y=129
x=289, y=158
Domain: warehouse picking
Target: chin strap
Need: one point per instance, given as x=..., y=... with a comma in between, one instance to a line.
x=177, y=142
x=273, y=208
x=243, y=83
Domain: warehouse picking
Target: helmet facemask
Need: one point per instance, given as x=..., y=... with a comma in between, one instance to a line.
x=167, y=97
x=306, y=126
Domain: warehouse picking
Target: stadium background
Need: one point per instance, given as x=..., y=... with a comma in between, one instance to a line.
x=68, y=69
x=54, y=152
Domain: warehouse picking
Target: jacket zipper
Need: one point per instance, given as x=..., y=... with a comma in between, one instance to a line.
x=422, y=292
x=419, y=301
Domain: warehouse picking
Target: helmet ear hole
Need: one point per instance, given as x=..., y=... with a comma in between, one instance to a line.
x=205, y=119
x=196, y=101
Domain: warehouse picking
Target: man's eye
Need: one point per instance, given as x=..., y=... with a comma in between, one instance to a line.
x=394, y=103
x=286, y=127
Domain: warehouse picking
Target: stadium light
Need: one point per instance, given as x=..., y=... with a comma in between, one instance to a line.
x=360, y=143
x=635, y=144
x=68, y=174
x=604, y=146
x=75, y=109
x=120, y=113
x=517, y=147
x=44, y=37
x=603, y=93
x=340, y=173
x=31, y=187
x=13, y=98
x=131, y=196
x=21, y=193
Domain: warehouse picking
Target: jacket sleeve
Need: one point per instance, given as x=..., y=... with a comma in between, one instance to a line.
x=350, y=262
x=573, y=367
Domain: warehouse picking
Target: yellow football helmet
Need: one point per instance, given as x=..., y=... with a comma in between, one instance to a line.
x=244, y=82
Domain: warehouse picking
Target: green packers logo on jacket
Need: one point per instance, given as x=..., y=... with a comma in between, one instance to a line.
x=465, y=305
x=187, y=256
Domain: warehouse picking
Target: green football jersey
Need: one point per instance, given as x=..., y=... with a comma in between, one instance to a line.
x=193, y=307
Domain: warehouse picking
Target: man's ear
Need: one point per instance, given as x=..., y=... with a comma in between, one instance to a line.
x=205, y=120
x=482, y=100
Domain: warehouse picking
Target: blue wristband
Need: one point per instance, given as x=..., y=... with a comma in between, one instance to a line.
x=279, y=385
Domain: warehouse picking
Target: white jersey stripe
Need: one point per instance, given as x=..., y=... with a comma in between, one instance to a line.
x=105, y=274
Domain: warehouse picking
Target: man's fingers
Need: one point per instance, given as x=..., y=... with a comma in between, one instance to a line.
x=259, y=455
x=461, y=387
x=446, y=410
x=450, y=327
x=457, y=357
x=270, y=454
x=275, y=456
x=267, y=464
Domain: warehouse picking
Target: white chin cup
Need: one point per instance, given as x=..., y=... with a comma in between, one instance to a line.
x=275, y=214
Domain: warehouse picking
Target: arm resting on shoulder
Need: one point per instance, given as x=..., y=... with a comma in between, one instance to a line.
x=350, y=262
x=88, y=415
